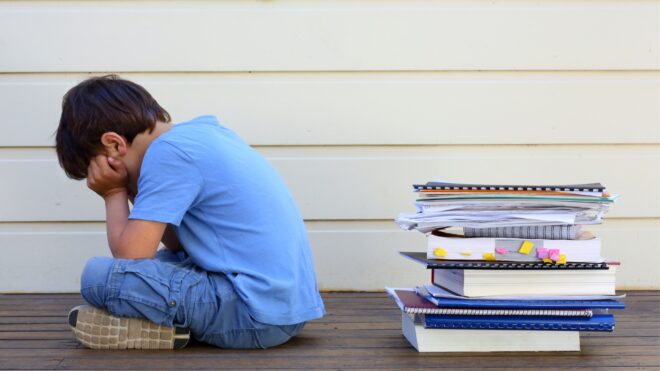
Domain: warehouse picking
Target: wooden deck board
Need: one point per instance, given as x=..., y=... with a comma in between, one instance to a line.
x=360, y=331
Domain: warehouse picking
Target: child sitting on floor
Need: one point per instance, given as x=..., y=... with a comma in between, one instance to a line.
x=236, y=270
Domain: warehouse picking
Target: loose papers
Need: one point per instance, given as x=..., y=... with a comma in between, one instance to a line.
x=487, y=208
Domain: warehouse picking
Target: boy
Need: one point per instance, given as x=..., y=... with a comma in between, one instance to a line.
x=236, y=270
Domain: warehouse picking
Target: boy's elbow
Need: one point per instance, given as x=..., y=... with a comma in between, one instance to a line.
x=131, y=252
x=138, y=240
x=129, y=255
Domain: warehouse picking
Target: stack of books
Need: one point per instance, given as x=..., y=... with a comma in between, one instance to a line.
x=519, y=274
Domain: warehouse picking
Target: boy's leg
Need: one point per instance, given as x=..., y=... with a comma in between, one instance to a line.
x=98, y=329
x=148, y=289
x=179, y=295
x=169, y=256
x=141, y=288
x=222, y=319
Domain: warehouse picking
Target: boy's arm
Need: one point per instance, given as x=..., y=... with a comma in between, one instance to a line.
x=170, y=238
x=128, y=239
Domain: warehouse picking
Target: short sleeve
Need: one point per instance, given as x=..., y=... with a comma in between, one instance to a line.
x=168, y=185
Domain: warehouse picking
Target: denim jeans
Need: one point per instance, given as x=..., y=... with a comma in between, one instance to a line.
x=170, y=290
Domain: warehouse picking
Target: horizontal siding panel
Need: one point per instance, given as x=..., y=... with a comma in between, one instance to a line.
x=327, y=35
x=374, y=108
x=347, y=183
x=367, y=253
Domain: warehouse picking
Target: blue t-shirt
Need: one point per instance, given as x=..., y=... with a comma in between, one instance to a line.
x=233, y=214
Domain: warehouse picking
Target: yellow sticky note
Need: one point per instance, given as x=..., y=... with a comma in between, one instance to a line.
x=466, y=252
x=562, y=259
x=547, y=260
x=526, y=247
x=439, y=252
x=489, y=256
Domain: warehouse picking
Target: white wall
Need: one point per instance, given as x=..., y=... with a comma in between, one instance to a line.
x=352, y=101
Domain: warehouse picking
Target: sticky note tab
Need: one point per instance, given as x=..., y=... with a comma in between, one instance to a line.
x=541, y=253
x=562, y=259
x=489, y=256
x=439, y=252
x=466, y=252
x=526, y=247
x=547, y=260
x=553, y=254
x=501, y=250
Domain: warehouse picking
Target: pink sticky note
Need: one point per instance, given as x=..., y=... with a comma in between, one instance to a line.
x=541, y=253
x=501, y=250
x=554, y=254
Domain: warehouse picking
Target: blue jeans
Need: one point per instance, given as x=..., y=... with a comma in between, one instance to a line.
x=170, y=290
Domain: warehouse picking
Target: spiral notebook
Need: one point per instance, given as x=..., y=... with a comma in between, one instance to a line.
x=587, y=187
x=445, y=298
x=420, y=257
x=597, y=322
x=412, y=303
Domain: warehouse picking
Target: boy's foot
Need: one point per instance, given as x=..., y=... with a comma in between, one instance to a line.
x=98, y=329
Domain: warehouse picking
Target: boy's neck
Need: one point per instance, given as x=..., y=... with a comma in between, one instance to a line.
x=143, y=140
x=138, y=148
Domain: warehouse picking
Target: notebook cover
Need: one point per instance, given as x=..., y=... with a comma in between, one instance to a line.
x=598, y=322
x=420, y=257
x=589, y=187
x=586, y=248
x=440, y=292
x=504, y=198
x=527, y=304
x=412, y=302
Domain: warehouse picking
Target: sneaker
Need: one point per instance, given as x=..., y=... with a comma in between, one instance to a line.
x=98, y=329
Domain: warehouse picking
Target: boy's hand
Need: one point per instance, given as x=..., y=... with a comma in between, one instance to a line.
x=106, y=175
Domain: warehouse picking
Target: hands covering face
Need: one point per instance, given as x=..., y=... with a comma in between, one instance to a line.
x=106, y=175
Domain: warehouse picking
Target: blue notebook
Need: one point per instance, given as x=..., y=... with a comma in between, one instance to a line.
x=598, y=322
x=520, y=304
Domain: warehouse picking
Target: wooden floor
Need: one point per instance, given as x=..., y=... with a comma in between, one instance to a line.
x=360, y=331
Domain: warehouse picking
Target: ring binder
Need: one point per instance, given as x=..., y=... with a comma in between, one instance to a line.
x=588, y=187
x=420, y=257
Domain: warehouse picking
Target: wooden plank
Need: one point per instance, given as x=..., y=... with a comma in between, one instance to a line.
x=303, y=36
x=389, y=108
x=324, y=327
x=299, y=349
x=361, y=177
x=39, y=344
x=331, y=342
x=412, y=361
x=651, y=328
x=30, y=363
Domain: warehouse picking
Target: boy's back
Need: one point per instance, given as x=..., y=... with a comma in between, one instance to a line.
x=234, y=215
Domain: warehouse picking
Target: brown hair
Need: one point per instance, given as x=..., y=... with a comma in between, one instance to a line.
x=96, y=106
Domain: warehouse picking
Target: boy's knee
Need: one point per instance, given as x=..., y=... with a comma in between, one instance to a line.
x=94, y=280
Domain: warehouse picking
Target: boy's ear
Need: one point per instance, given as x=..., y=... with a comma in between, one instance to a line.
x=114, y=144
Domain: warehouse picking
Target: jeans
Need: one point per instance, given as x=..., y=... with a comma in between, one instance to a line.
x=170, y=290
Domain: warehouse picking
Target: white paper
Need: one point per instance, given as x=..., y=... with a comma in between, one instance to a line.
x=440, y=292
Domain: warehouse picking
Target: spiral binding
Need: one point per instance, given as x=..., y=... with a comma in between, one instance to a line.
x=502, y=312
x=438, y=264
x=524, y=326
x=512, y=187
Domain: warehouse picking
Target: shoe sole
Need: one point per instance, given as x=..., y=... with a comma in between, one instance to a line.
x=98, y=329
